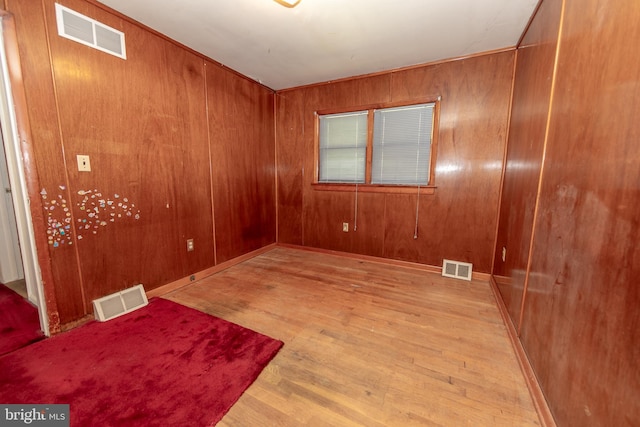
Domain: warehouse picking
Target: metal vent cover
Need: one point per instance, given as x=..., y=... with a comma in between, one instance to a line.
x=82, y=29
x=457, y=269
x=123, y=302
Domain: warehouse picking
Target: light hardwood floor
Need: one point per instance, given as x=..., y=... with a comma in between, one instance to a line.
x=367, y=344
x=19, y=286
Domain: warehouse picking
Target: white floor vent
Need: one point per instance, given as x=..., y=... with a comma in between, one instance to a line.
x=123, y=302
x=456, y=269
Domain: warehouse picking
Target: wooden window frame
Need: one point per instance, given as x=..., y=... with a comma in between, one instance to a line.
x=428, y=188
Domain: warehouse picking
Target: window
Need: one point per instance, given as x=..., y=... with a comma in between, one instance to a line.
x=378, y=147
x=402, y=145
x=343, y=145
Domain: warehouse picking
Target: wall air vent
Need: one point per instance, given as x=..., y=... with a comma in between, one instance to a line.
x=123, y=302
x=82, y=29
x=456, y=269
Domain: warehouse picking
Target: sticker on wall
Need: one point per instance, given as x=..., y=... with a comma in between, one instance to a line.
x=96, y=212
x=100, y=211
x=58, y=219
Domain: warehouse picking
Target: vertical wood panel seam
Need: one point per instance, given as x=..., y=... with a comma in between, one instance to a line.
x=385, y=196
x=275, y=164
x=213, y=210
x=542, y=168
x=526, y=28
x=504, y=161
x=64, y=157
x=303, y=110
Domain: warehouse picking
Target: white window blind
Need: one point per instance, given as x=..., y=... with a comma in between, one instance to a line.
x=342, y=147
x=402, y=145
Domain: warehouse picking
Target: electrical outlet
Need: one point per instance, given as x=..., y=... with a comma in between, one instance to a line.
x=84, y=165
x=504, y=254
x=190, y=246
x=345, y=227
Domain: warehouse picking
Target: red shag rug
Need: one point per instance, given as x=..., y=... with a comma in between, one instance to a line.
x=19, y=322
x=162, y=365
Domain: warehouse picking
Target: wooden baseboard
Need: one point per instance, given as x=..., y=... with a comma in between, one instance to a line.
x=539, y=401
x=170, y=287
x=73, y=324
x=424, y=267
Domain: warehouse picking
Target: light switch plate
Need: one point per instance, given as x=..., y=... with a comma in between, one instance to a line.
x=84, y=165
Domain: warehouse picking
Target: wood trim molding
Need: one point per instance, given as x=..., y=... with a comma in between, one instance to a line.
x=387, y=261
x=396, y=70
x=316, y=145
x=369, y=152
x=373, y=188
x=423, y=267
x=480, y=276
x=172, y=286
x=430, y=99
x=435, y=138
x=367, y=185
x=537, y=395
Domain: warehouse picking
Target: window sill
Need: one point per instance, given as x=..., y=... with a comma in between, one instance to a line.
x=374, y=188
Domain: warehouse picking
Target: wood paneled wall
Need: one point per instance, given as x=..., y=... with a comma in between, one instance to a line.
x=581, y=317
x=241, y=129
x=527, y=131
x=458, y=221
x=183, y=148
x=177, y=144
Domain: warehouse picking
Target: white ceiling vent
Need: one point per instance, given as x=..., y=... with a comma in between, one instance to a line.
x=456, y=269
x=123, y=302
x=82, y=29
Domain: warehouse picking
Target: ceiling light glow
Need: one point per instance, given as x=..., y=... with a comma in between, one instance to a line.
x=288, y=3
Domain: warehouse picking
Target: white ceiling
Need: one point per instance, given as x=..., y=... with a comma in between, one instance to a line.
x=322, y=40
